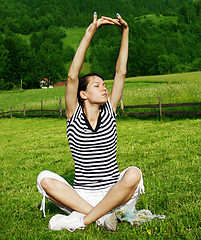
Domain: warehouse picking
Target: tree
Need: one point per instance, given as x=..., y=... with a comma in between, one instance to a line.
x=4, y=64
x=166, y=64
x=36, y=40
x=68, y=53
x=49, y=62
x=26, y=26
x=55, y=34
x=12, y=24
x=196, y=65
x=103, y=60
x=18, y=55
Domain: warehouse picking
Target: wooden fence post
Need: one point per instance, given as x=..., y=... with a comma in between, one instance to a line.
x=122, y=105
x=24, y=110
x=160, y=109
x=60, y=101
x=11, y=112
x=41, y=109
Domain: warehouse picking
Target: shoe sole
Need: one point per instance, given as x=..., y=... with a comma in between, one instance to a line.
x=111, y=223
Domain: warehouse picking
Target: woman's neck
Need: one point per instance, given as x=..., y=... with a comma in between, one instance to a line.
x=92, y=114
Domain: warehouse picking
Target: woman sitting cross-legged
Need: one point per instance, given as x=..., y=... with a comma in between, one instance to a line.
x=99, y=190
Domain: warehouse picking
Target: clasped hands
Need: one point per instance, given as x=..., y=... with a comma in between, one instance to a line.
x=107, y=21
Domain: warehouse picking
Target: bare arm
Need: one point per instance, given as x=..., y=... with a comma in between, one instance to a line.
x=78, y=60
x=121, y=66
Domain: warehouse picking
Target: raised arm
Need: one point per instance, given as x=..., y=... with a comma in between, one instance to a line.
x=121, y=65
x=78, y=60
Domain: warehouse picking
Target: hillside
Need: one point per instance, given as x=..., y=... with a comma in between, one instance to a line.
x=39, y=39
x=158, y=19
x=28, y=16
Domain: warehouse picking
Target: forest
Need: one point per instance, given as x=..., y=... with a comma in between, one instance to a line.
x=165, y=37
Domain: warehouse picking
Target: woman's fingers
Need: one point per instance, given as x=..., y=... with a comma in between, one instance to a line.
x=117, y=21
x=111, y=20
x=102, y=21
x=122, y=22
x=95, y=16
x=120, y=18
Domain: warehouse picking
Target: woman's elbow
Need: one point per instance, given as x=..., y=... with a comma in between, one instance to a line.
x=72, y=77
x=121, y=72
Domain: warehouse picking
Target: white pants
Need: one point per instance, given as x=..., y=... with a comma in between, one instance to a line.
x=92, y=197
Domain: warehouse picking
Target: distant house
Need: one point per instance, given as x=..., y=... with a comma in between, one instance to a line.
x=45, y=83
x=60, y=84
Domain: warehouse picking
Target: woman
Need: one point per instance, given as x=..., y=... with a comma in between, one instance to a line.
x=99, y=191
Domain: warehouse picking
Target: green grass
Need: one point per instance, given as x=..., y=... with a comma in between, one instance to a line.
x=158, y=19
x=73, y=37
x=168, y=154
x=86, y=68
x=172, y=88
x=32, y=98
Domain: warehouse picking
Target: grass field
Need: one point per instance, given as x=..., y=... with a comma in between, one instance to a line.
x=158, y=19
x=73, y=37
x=172, y=88
x=168, y=154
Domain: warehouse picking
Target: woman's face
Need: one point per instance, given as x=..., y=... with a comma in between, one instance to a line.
x=96, y=92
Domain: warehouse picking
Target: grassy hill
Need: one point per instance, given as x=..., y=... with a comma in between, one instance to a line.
x=172, y=88
x=74, y=35
x=157, y=19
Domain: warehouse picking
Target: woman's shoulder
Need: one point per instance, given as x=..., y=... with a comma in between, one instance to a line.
x=75, y=115
x=108, y=108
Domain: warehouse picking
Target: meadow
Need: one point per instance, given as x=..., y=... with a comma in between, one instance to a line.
x=167, y=152
x=158, y=19
x=172, y=88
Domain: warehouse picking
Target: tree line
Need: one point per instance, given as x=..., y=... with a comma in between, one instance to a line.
x=156, y=46
x=26, y=16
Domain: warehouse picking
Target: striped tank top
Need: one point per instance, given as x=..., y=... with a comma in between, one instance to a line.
x=93, y=150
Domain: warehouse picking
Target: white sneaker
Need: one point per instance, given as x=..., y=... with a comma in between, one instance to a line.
x=108, y=221
x=71, y=223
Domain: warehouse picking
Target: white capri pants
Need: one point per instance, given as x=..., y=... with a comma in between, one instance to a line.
x=92, y=197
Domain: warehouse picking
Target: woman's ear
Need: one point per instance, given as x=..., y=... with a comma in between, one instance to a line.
x=83, y=95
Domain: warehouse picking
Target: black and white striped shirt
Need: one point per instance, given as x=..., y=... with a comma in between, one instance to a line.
x=93, y=151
